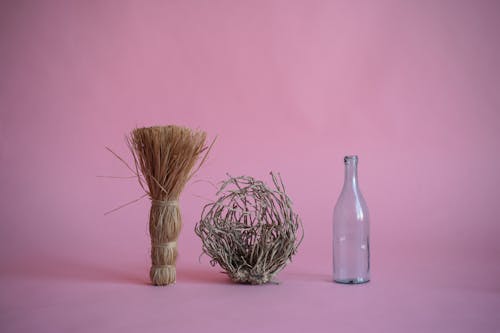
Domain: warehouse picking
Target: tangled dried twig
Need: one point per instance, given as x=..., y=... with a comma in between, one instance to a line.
x=251, y=230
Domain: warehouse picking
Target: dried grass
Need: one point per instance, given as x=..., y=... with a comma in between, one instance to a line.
x=251, y=231
x=166, y=157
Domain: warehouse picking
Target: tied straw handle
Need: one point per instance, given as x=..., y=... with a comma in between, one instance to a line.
x=165, y=222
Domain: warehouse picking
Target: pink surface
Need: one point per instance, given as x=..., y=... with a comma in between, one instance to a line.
x=290, y=86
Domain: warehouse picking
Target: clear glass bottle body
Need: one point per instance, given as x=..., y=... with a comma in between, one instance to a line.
x=351, y=230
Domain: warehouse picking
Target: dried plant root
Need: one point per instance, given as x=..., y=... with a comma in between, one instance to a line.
x=251, y=230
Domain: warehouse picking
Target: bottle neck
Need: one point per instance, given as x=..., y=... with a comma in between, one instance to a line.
x=351, y=172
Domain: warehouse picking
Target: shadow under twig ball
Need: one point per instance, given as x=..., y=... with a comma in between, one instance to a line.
x=251, y=230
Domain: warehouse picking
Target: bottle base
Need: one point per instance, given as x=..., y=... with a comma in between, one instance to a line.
x=358, y=280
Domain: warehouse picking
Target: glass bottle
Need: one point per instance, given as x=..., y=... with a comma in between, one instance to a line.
x=351, y=244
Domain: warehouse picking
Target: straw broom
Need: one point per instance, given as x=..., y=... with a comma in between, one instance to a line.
x=165, y=156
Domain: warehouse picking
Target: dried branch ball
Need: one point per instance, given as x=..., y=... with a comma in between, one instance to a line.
x=251, y=231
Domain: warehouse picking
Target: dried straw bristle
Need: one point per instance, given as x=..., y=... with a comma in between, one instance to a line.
x=165, y=157
x=251, y=230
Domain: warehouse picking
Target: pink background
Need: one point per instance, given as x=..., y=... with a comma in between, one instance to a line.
x=412, y=87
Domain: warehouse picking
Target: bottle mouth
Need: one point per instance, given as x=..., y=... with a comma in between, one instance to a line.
x=350, y=158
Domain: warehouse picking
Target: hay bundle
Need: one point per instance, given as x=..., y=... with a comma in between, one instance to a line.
x=165, y=157
x=251, y=231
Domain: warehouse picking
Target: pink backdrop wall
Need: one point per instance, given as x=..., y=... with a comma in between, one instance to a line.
x=291, y=86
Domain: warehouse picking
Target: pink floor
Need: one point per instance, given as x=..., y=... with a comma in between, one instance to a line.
x=411, y=87
x=65, y=296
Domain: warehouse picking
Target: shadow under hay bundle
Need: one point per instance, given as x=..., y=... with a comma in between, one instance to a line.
x=165, y=156
x=250, y=231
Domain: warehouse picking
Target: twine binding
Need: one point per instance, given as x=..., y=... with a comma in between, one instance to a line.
x=163, y=266
x=164, y=203
x=167, y=245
